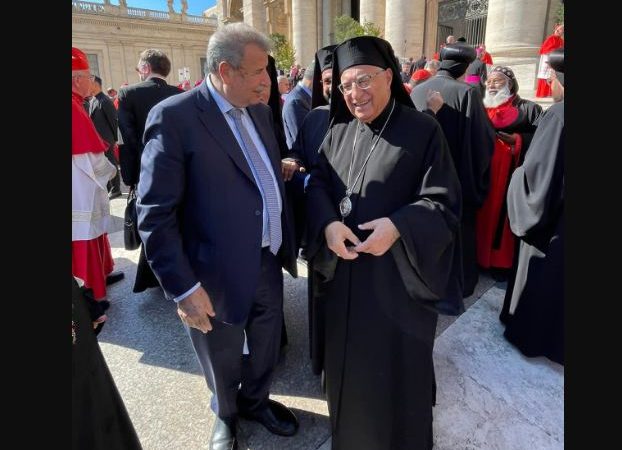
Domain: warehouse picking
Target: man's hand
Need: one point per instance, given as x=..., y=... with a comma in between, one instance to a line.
x=196, y=309
x=434, y=100
x=381, y=239
x=289, y=167
x=336, y=234
x=506, y=137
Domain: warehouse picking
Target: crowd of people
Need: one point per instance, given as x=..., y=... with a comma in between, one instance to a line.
x=396, y=181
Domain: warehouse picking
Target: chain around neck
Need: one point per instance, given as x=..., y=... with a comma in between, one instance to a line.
x=350, y=189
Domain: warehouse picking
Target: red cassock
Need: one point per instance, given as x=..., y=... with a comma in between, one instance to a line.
x=551, y=43
x=495, y=241
x=91, y=260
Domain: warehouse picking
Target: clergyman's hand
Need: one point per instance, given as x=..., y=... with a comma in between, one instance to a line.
x=381, y=239
x=336, y=234
x=289, y=167
x=434, y=100
x=506, y=137
x=196, y=309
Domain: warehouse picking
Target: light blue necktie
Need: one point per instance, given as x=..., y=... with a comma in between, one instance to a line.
x=266, y=182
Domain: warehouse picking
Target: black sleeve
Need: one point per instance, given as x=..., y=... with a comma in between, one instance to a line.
x=129, y=152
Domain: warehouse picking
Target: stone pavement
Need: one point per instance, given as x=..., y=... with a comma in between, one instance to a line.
x=489, y=395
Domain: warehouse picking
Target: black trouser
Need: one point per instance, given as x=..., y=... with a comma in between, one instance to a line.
x=114, y=185
x=220, y=350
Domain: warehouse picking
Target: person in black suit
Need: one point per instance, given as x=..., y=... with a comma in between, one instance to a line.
x=135, y=102
x=214, y=220
x=104, y=117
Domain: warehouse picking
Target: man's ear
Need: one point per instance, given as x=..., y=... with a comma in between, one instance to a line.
x=389, y=73
x=225, y=70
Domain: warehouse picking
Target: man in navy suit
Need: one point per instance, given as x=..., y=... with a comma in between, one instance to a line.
x=297, y=105
x=214, y=221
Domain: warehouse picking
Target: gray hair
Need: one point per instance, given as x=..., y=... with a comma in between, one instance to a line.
x=281, y=78
x=309, y=71
x=432, y=64
x=228, y=44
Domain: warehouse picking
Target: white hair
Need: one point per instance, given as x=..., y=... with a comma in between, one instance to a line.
x=494, y=100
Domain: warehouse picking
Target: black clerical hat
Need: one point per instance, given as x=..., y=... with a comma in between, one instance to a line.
x=556, y=61
x=274, y=101
x=323, y=61
x=459, y=52
x=455, y=58
x=364, y=50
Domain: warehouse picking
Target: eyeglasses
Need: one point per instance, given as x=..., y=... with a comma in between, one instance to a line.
x=362, y=82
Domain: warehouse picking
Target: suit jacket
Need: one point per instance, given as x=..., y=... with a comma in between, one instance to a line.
x=135, y=102
x=104, y=117
x=199, y=209
x=297, y=105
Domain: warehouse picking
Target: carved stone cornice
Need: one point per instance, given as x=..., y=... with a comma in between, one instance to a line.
x=137, y=24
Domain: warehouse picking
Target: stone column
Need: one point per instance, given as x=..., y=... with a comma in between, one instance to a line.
x=404, y=26
x=430, y=46
x=346, y=8
x=255, y=14
x=304, y=39
x=328, y=20
x=372, y=11
x=515, y=30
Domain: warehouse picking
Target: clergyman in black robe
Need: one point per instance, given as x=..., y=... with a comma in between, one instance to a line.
x=533, y=310
x=514, y=120
x=311, y=136
x=99, y=420
x=471, y=140
x=393, y=263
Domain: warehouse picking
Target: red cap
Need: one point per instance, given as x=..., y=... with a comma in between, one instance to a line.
x=79, y=61
x=420, y=75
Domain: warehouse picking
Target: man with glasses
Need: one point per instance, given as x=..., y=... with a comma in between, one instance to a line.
x=384, y=212
x=471, y=140
x=135, y=102
x=214, y=220
x=91, y=258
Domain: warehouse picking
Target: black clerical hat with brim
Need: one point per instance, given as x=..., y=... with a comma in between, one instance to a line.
x=556, y=61
x=323, y=61
x=455, y=58
x=364, y=50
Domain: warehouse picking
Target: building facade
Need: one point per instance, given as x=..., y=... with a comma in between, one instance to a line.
x=511, y=29
x=113, y=36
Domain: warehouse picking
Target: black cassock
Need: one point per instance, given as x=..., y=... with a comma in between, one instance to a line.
x=471, y=140
x=533, y=310
x=310, y=137
x=381, y=311
x=99, y=420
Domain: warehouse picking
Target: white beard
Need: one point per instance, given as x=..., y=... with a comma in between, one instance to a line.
x=494, y=100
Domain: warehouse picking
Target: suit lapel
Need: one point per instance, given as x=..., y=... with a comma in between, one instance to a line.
x=217, y=126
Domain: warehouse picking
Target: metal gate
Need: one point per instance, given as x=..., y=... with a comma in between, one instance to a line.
x=462, y=18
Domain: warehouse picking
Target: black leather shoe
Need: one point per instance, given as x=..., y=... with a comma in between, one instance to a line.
x=277, y=418
x=113, y=277
x=223, y=435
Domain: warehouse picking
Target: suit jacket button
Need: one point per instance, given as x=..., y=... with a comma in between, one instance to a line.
x=257, y=212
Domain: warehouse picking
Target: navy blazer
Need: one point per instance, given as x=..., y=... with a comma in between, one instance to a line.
x=297, y=105
x=199, y=209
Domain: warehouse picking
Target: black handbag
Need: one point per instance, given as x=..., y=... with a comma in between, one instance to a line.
x=130, y=225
